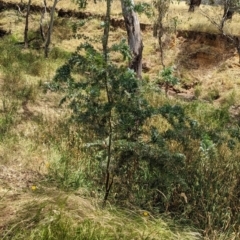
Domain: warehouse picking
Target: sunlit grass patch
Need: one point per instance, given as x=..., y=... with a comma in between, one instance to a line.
x=72, y=217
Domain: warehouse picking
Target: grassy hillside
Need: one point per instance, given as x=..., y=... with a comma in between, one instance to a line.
x=51, y=187
x=38, y=200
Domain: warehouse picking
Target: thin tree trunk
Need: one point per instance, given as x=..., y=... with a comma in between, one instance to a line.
x=162, y=8
x=44, y=12
x=49, y=34
x=109, y=178
x=237, y=44
x=26, y=25
x=134, y=35
x=229, y=8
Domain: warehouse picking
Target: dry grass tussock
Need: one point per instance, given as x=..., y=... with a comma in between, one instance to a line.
x=42, y=208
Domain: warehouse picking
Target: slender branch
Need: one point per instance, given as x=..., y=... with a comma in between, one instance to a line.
x=26, y=41
x=19, y=10
x=106, y=31
x=108, y=183
x=41, y=20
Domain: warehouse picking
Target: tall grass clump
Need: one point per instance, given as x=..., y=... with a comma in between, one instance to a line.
x=212, y=170
x=60, y=217
x=7, y=117
x=10, y=81
x=66, y=162
x=57, y=53
x=67, y=172
x=15, y=64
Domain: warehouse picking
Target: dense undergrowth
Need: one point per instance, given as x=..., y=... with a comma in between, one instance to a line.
x=169, y=157
x=47, y=212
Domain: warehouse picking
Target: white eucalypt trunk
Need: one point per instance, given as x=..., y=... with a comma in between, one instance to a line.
x=49, y=33
x=134, y=35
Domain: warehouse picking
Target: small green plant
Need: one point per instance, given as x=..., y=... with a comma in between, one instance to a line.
x=197, y=91
x=57, y=53
x=231, y=99
x=145, y=8
x=167, y=78
x=66, y=172
x=175, y=22
x=213, y=94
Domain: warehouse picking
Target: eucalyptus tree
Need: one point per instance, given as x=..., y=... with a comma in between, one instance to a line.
x=25, y=34
x=133, y=32
x=43, y=14
x=134, y=35
x=158, y=29
x=47, y=39
x=50, y=29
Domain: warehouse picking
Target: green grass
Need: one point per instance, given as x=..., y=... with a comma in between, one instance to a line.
x=71, y=217
x=42, y=140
